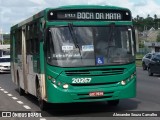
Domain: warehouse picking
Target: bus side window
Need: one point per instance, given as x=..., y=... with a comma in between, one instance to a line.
x=37, y=46
x=28, y=43
x=18, y=42
x=35, y=38
x=49, y=45
x=31, y=39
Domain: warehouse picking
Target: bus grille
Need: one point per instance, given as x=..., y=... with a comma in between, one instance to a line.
x=95, y=72
x=94, y=84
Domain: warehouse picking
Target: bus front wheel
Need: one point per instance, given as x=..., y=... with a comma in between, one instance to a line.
x=42, y=103
x=113, y=102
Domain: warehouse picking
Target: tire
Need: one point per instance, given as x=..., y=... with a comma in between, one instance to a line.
x=113, y=102
x=20, y=90
x=41, y=102
x=144, y=66
x=149, y=72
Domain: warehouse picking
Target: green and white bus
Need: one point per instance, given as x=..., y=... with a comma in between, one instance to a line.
x=81, y=53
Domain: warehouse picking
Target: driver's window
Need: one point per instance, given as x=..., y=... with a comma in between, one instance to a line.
x=50, y=47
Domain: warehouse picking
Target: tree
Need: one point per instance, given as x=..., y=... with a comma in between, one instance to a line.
x=6, y=42
x=137, y=17
x=155, y=16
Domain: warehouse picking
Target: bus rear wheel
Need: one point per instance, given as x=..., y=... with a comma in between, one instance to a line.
x=113, y=102
x=42, y=103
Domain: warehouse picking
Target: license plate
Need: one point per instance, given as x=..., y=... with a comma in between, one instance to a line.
x=96, y=94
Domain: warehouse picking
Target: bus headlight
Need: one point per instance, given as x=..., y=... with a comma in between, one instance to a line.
x=65, y=86
x=123, y=82
x=53, y=81
x=59, y=83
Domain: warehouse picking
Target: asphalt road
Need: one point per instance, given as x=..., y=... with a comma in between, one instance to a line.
x=148, y=99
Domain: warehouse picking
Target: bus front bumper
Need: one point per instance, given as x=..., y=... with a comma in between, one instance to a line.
x=59, y=95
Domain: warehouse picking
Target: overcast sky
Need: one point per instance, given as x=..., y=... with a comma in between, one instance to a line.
x=14, y=11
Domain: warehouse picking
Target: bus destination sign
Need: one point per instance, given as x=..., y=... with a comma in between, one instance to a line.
x=109, y=15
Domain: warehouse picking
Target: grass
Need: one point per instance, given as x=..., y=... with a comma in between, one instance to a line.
x=139, y=61
x=139, y=56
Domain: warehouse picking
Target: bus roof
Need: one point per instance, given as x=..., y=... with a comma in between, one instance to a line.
x=44, y=12
x=91, y=7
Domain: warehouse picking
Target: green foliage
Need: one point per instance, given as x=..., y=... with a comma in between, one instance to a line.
x=139, y=56
x=6, y=38
x=6, y=42
x=141, y=45
x=142, y=23
x=138, y=63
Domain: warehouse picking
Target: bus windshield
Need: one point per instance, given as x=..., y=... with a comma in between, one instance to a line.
x=89, y=46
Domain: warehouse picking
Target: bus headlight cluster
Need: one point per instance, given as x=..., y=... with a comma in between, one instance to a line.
x=57, y=83
x=124, y=82
x=53, y=81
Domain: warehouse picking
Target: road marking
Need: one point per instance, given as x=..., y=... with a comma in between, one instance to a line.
x=9, y=94
x=27, y=107
x=159, y=78
x=14, y=98
x=2, y=89
x=20, y=102
x=5, y=92
x=42, y=119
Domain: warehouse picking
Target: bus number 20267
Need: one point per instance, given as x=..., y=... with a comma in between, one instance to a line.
x=81, y=80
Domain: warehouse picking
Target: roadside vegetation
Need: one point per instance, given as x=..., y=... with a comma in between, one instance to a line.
x=139, y=60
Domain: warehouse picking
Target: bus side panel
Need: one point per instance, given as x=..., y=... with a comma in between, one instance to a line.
x=31, y=75
x=20, y=71
x=42, y=71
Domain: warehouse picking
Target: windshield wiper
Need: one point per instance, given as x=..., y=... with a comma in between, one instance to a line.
x=112, y=28
x=70, y=25
x=111, y=36
x=73, y=35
